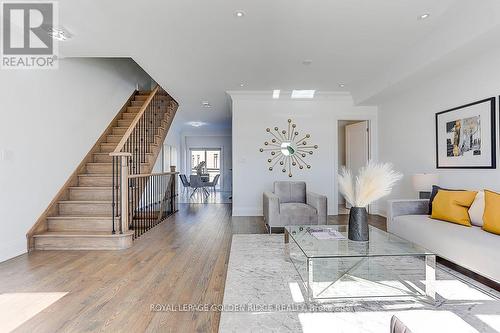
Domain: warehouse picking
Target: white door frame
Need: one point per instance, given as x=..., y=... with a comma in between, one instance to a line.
x=347, y=145
x=371, y=117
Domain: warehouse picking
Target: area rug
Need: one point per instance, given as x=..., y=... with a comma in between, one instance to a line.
x=263, y=294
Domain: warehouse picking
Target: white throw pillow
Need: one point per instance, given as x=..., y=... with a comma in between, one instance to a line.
x=476, y=210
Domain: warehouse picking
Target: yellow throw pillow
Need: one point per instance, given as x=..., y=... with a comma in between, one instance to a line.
x=491, y=217
x=453, y=206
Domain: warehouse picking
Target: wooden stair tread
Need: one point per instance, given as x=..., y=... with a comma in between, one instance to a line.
x=76, y=217
x=95, y=175
x=106, y=234
x=91, y=188
x=85, y=201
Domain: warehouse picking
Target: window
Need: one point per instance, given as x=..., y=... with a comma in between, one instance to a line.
x=212, y=157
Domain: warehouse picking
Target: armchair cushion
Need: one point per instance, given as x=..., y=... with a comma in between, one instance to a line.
x=319, y=202
x=290, y=191
x=271, y=204
x=293, y=213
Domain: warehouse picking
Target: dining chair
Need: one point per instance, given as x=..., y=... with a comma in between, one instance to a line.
x=214, y=183
x=185, y=183
x=197, y=184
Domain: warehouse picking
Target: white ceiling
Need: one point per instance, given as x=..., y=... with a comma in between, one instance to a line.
x=198, y=49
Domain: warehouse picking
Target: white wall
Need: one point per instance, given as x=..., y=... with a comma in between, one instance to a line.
x=200, y=138
x=253, y=112
x=407, y=123
x=172, y=146
x=50, y=120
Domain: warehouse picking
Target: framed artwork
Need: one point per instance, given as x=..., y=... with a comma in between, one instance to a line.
x=466, y=136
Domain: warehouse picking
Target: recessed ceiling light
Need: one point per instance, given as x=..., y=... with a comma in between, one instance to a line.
x=242, y=84
x=276, y=93
x=423, y=16
x=239, y=13
x=307, y=62
x=303, y=93
x=206, y=104
x=341, y=85
x=196, y=123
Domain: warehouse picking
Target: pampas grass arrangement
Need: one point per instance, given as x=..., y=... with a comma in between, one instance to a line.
x=374, y=181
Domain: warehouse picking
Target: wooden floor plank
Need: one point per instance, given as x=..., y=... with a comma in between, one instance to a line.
x=182, y=260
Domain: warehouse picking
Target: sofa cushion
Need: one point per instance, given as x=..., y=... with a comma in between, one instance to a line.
x=294, y=213
x=491, y=212
x=290, y=191
x=470, y=247
x=435, y=190
x=453, y=206
x=476, y=210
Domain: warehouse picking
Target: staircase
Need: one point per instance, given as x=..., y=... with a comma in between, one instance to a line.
x=83, y=214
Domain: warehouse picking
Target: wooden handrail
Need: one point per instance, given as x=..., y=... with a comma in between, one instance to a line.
x=153, y=174
x=127, y=134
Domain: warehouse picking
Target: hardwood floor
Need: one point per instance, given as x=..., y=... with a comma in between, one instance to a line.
x=181, y=261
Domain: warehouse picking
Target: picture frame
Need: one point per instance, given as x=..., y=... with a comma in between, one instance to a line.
x=466, y=136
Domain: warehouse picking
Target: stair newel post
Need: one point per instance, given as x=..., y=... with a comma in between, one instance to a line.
x=124, y=192
x=120, y=189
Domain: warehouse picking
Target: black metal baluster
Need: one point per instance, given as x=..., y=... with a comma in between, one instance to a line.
x=113, y=203
x=121, y=198
x=141, y=199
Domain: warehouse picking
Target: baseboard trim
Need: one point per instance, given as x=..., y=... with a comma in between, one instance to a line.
x=470, y=274
x=247, y=211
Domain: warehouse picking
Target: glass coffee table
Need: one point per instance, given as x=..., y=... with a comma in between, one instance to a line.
x=333, y=267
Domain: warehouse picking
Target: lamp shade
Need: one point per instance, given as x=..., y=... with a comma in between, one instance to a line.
x=422, y=182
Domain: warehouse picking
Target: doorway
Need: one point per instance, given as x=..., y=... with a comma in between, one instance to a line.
x=353, y=151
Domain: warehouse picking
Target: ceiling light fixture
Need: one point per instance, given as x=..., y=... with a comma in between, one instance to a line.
x=307, y=62
x=423, y=16
x=239, y=13
x=276, y=93
x=341, y=85
x=242, y=84
x=303, y=93
x=206, y=104
x=196, y=123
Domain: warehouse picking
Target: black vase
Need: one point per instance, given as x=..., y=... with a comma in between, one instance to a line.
x=358, y=224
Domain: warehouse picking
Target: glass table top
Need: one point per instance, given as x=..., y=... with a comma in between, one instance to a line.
x=309, y=239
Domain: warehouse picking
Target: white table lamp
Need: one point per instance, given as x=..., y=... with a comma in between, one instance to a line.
x=422, y=183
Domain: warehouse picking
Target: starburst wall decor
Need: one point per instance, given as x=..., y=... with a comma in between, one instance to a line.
x=287, y=150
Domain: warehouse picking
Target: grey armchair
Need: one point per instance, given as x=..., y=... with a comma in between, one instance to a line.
x=291, y=204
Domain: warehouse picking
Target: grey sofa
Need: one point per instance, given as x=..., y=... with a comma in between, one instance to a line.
x=469, y=247
x=291, y=204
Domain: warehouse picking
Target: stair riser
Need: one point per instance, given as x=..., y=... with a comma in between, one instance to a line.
x=103, y=158
x=95, y=181
x=93, y=195
x=114, y=138
x=137, y=103
x=124, y=123
x=119, y=131
x=134, y=109
x=108, y=147
x=81, y=225
x=100, y=168
x=141, y=97
x=129, y=115
x=90, y=209
x=82, y=243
